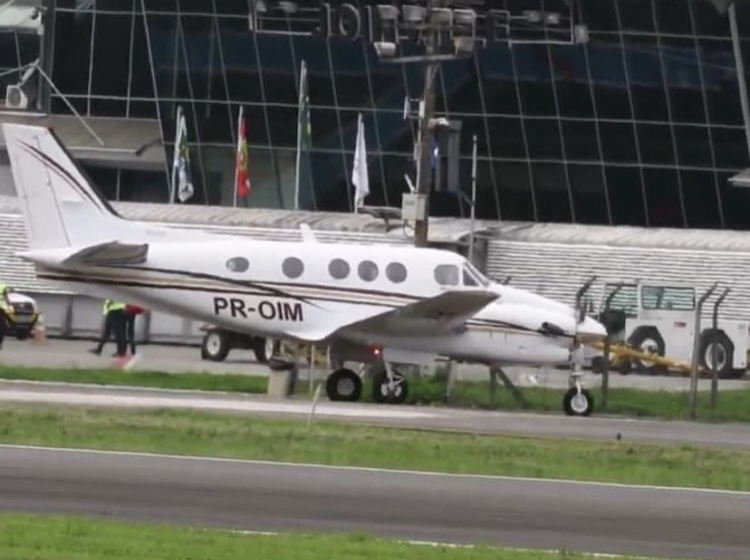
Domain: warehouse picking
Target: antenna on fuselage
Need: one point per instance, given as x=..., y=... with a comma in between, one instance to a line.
x=308, y=236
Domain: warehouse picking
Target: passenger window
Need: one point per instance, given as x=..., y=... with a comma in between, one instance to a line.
x=446, y=274
x=238, y=264
x=293, y=267
x=469, y=280
x=367, y=270
x=338, y=269
x=396, y=272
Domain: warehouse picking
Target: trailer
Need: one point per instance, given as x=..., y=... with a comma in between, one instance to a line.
x=646, y=319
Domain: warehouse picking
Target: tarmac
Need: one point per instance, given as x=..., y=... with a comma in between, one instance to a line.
x=59, y=353
x=258, y=496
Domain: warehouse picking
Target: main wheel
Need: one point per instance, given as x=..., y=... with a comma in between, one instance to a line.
x=343, y=385
x=265, y=348
x=578, y=404
x=381, y=393
x=215, y=346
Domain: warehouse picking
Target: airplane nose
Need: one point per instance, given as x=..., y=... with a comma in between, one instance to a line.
x=590, y=329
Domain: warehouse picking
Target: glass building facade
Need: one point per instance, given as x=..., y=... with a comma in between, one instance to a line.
x=642, y=124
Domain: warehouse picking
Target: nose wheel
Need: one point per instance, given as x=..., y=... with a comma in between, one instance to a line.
x=578, y=402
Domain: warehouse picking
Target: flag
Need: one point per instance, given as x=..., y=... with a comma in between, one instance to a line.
x=182, y=184
x=359, y=173
x=304, y=191
x=242, y=173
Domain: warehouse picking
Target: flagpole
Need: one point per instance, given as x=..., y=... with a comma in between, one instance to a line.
x=236, y=153
x=300, y=101
x=356, y=153
x=173, y=188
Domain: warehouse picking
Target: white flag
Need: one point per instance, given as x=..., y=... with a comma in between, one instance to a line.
x=359, y=173
x=181, y=161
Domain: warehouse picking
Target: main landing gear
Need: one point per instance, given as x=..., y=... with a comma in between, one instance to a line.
x=389, y=386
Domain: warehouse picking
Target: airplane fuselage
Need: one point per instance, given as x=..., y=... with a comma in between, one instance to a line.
x=293, y=290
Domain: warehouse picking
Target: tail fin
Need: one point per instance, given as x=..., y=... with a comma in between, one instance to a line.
x=62, y=207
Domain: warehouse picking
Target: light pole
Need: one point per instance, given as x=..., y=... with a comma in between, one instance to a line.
x=460, y=25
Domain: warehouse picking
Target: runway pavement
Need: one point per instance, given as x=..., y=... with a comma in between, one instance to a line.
x=434, y=418
x=461, y=509
x=74, y=354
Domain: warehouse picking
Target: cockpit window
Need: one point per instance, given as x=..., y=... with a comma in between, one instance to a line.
x=469, y=280
x=479, y=279
x=447, y=275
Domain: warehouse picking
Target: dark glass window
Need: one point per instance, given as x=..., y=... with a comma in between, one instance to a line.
x=693, y=147
x=730, y=147
x=599, y=15
x=514, y=190
x=240, y=66
x=589, y=200
x=663, y=196
x=551, y=190
x=618, y=142
x=722, y=91
x=278, y=70
x=506, y=137
x=708, y=20
x=673, y=17
x=283, y=121
x=656, y=143
x=500, y=94
x=646, y=80
x=635, y=15
x=626, y=196
x=701, y=199
x=580, y=140
x=544, y=139
x=71, y=64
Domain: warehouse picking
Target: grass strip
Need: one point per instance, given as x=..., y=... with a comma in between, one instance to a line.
x=23, y=537
x=235, y=436
x=733, y=405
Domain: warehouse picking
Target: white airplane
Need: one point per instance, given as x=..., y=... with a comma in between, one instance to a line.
x=370, y=304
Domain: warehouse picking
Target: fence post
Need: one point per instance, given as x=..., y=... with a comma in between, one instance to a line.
x=715, y=349
x=605, y=363
x=693, y=397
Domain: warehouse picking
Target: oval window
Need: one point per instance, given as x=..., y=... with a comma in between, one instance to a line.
x=396, y=272
x=238, y=264
x=292, y=267
x=367, y=271
x=339, y=269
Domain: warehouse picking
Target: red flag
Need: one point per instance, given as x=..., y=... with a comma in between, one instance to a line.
x=242, y=173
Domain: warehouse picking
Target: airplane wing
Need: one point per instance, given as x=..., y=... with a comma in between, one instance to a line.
x=109, y=253
x=442, y=314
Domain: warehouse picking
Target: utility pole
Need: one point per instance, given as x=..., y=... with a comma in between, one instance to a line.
x=426, y=112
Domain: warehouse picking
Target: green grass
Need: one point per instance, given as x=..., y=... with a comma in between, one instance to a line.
x=236, y=436
x=37, y=537
x=733, y=405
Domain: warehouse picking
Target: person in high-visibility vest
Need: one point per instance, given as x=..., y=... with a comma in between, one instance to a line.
x=5, y=311
x=131, y=312
x=114, y=323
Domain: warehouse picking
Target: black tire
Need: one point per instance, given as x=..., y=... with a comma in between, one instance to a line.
x=578, y=405
x=380, y=388
x=23, y=334
x=647, y=337
x=725, y=356
x=343, y=385
x=215, y=346
x=264, y=348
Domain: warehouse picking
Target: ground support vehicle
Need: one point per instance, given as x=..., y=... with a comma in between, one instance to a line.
x=652, y=332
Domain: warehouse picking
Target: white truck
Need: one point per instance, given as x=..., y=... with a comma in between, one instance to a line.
x=660, y=319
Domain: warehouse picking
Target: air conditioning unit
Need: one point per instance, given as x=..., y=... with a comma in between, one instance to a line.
x=15, y=98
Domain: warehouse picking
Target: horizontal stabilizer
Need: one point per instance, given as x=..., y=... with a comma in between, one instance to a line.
x=112, y=253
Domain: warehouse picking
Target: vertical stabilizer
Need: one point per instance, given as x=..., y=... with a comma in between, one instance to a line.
x=62, y=207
